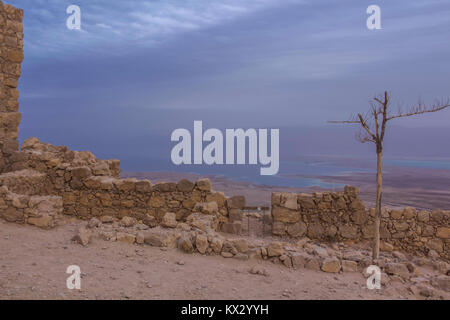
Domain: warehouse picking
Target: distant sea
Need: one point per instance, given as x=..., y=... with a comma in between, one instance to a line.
x=301, y=172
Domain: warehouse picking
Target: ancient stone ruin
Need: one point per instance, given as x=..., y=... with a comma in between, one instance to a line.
x=342, y=216
x=42, y=181
x=41, y=184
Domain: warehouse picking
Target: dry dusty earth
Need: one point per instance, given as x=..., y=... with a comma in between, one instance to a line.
x=33, y=265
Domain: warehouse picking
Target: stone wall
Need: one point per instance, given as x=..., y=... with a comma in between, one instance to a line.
x=342, y=217
x=86, y=186
x=11, y=55
x=90, y=187
x=41, y=211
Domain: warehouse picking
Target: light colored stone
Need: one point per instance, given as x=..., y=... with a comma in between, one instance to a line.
x=83, y=236
x=331, y=265
x=125, y=237
x=259, y=270
x=217, y=244
x=397, y=269
x=128, y=221
x=185, y=185
x=201, y=243
x=227, y=255
x=160, y=237
x=185, y=244
x=169, y=220
x=275, y=249
x=93, y=223
x=443, y=232
x=140, y=237
x=289, y=200
x=297, y=230
x=313, y=264
x=203, y=184
x=349, y=266
x=285, y=215
x=385, y=246
x=241, y=245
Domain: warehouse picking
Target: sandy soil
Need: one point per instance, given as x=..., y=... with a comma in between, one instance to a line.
x=33, y=265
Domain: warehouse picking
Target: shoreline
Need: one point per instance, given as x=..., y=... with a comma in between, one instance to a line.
x=416, y=187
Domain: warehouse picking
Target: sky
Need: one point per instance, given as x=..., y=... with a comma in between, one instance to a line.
x=139, y=69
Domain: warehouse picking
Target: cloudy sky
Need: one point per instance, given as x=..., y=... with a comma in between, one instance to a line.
x=139, y=69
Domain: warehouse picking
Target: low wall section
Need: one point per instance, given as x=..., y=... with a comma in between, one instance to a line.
x=342, y=216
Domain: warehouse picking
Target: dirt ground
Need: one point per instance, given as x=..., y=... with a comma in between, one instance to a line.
x=33, y=264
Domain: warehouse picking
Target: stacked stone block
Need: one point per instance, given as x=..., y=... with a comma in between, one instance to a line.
x=91, y=187
x=11, y=55
x=342, y=216
x=41, y=211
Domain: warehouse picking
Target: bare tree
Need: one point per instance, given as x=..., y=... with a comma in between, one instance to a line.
x=373, y=129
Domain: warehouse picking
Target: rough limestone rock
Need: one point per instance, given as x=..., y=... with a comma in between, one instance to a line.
x=259, y=270
x=386, y=246
x=331, y=265
x=140, y=237
x=279, y=229
x=203, y=184
x=275, y=249
x=185, y=185
x=227, y=254
x=125, y=237
x=217, y=244
x=349, y=266
x=397, y=269
x=206, y=207
x=321, y=252
x=128, y=222
x=94, y=223
x=443, y=232
x=241, y=245
x=185, y=244
x=313, y=264
x=83, y=236
x=232, y=228
x=285, y=215
x=106, y=219
x=299, y=259
x=160, y=237
x=297, y=230
x=202, y=221
x=286, y=260
x=201, y=243
x=169, y=220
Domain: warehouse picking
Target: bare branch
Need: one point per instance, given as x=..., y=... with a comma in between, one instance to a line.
x=421, y=108
x=363, y=137
x=348, y=121
x=365, y=126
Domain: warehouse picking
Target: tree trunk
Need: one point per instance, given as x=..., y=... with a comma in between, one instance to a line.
x=376, y=244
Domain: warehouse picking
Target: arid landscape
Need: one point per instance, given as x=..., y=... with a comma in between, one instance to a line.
x=69, y=219
x=416, y=187
x=34, y=263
